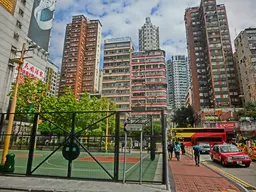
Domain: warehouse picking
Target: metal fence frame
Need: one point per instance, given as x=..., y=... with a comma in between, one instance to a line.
x=72, y=136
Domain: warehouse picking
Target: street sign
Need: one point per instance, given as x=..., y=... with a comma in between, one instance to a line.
x=133, y=127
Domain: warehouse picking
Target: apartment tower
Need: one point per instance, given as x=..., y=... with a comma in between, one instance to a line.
x=148, y=82
x=81, y=56
x=177, y=81
x=116, y=71
x=148, y=36
x=214, y=83
x=245, y=57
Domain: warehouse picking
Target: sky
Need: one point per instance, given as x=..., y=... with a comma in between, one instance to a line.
x=123, y=18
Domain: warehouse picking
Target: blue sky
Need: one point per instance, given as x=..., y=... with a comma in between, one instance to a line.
x=121, y=18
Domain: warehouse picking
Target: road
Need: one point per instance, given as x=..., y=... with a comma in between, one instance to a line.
x=241, y=175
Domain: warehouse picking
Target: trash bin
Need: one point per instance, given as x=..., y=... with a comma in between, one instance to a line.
x=9, y=163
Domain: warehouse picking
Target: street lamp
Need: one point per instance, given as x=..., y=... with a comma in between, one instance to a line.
x=20, y=62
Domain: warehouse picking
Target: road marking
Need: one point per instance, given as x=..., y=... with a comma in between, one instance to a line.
x=136, y=164
x=232, y=177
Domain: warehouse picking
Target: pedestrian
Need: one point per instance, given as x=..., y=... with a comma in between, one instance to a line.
x=182, y=146
x=177, y=150
x=170, y=149
x=196, y=149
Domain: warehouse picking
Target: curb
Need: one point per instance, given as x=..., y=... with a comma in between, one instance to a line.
x=235, y=183
x=30, y=190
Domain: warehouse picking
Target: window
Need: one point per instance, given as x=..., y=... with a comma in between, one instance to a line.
x=24, y=2
x=21, y=12
x=18, y=24
x=16, y=36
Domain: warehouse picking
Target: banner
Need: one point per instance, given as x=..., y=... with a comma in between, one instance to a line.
x=41, y=22
x=29, y=70
x=226, y=125
x=8, y=5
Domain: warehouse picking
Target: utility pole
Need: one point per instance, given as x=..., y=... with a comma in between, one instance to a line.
x=7, y=139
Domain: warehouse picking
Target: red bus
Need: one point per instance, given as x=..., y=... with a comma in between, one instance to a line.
x=190, y=136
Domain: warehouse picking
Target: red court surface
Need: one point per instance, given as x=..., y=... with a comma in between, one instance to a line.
x=109, y=159
x=26, y=155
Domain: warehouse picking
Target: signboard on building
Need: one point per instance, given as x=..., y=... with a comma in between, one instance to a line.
x=41, y=22
x=226, y=125
x=29, y=70
x=116, y=40
x=8, y=5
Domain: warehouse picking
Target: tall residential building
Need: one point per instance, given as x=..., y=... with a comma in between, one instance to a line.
x=214, y=82
x=51, y=78
x=57, y=84
x=148, y=36
x=177, y=81
x=245, y=57
x=116, y=71
x=148, y=82
x=22, y=22
x=81, y=56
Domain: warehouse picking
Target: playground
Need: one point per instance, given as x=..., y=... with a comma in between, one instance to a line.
x=86, y=167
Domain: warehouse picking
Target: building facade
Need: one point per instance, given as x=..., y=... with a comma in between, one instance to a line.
x=213, y=83
x=177, y=81
x=51, y=78
x=245, y=59
x=149, y=36
x=148, y=82
x=19, y=24
x=81, y=56
x=116, y=84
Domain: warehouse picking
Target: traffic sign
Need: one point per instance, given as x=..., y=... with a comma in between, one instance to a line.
x=133, y=127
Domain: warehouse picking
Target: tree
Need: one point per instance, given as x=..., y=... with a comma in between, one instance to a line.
x=88, y=113
x=249, y=110
x=30, y=93
x=184, y=117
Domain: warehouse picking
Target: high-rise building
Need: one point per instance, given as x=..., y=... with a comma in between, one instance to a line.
x=81, y=56
x=148, y=36
x=23, y=22
x=213, y=82
x=177, y=81
x=245, y=57
x=57, y=84
x=51, y=78
x=148, y=82
x=116, y=71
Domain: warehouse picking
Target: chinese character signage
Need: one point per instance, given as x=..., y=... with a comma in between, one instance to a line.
x=8, y=5
x=29, y=70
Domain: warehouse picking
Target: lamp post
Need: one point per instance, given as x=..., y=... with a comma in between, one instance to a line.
x=7, y=139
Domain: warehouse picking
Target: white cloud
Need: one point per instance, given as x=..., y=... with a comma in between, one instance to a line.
x=169, y=17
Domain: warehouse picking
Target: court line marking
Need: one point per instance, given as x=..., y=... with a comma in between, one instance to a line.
x=63, y=169
x=136, y=163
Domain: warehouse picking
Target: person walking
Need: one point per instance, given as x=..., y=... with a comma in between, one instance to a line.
x=182, y=146
x=177, y=150
x=196, y=149
x=170, y=149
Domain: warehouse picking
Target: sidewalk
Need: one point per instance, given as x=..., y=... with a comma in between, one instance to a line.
x=190, y=178
x=36, y=184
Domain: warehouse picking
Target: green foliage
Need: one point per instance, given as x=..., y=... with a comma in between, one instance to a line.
x=30, y=93
x=249, y=110
x=184, y=117
x=88, y=113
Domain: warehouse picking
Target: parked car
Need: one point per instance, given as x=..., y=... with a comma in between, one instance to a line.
x=229, y=155
x=204, y=148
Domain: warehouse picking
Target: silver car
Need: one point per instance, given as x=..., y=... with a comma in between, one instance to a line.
x=204, y=148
